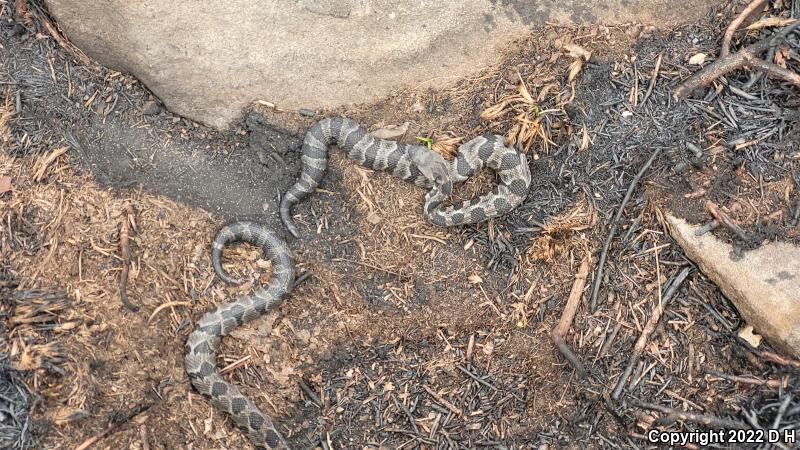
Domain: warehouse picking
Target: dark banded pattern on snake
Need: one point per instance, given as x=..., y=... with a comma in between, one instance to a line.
x=419, y=165
x=201, y=347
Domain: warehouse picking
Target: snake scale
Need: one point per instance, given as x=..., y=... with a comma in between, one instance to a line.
x=413, y=163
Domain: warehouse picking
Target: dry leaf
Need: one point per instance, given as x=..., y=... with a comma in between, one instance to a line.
x=545, y=90
x=585, y=140
x=447, y=147
x=494, y=111
x=391, y=131
x=373, y=218
x=475, y=279
x=746, y=333
x=388, y=387
x=697, y=59
x=782, y=53
x=576, y=51
x=574, y=69
x=66, y=415
x=5, y=185
x=523, y=90
x=488, y=348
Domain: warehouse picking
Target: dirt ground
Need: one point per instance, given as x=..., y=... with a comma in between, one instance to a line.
x=405, y=335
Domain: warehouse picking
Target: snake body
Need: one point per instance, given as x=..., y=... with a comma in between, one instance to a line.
x=201, y=347
x=413, y=163
x=419, y=165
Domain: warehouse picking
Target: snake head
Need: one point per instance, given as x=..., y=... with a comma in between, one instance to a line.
x=434, y=168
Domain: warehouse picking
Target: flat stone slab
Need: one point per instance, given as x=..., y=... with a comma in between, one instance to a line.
x=764, y=284
x=207, y=60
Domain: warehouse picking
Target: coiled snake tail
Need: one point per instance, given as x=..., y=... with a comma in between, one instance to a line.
x=202, y=345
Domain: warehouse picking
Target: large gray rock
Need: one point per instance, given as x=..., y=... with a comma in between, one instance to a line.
x=764, y=285
x=206, y=60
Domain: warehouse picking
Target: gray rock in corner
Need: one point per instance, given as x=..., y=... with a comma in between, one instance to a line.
x=208, y=60
x=764, y=285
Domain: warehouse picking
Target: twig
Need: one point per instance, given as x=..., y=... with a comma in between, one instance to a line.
x=598, y=279
x=125, y=250
x=560, y=331
x=145, y=437
x=720, y=216
x=736, y=23
x=309, y=392
x=774, y=69
x=652, y=81
x=744, y=380
x=476, y=378
x=704, y=419
x=60, y=40
x=165, y=306
x=235, y=365
x=301, y=279
x=781, y=411
x=747, y=57
x=443, y=401
x=778, y=359
x=408, y=414
x=649, y=327
x=114, y=425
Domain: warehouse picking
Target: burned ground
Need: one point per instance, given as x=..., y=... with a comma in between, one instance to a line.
x=406, y=335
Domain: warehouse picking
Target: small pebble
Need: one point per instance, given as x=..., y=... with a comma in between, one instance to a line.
x=306, y=112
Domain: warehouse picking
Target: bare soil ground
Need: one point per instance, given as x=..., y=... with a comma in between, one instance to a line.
x=406, y=335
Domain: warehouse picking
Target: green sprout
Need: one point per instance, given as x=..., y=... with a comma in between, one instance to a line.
x=428, y=141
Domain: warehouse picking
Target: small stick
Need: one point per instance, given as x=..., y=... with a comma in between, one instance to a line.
x=720, y=216
x=777, y=359
x=746, y=57
x=649, y=327
x=114, y=425
x=408, y=414
x=781, y=411
x=774, y=70
x=736, y=23
x=144, y=435
x=652, y=80
x=598, y=279
x=165, y=306
x=443, y=401
x=745, y=380
x=560, y=331
x=704, y=419
x=60, y=40
x=301, y=279
x=309, y=392
x=235, y=365
x=475, y=377
x=125, y=249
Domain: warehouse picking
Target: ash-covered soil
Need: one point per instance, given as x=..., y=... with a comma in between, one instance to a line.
x=406, y=335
